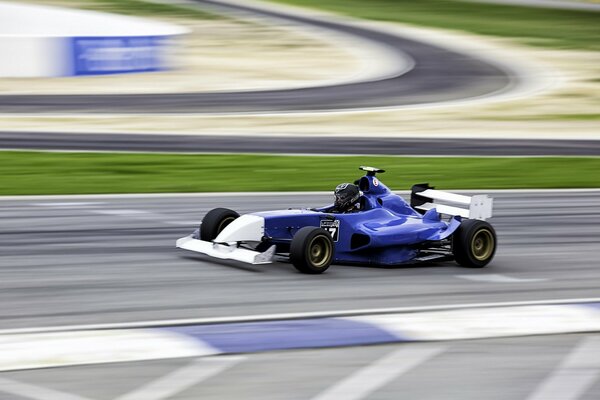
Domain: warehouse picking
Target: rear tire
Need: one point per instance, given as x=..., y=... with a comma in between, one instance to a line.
x=474, y=243
x=311, y=250
x=215, y=221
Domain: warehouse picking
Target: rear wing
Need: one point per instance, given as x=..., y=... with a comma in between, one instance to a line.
x=422, y=199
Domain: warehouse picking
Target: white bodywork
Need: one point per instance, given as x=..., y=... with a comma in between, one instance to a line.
x=246, y=228
x=477, y=207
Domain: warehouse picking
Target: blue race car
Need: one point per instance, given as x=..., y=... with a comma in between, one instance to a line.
x=367, y=224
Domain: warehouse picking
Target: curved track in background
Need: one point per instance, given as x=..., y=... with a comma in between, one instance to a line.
x=295, y=145
x=71, y=261
x=439, y=75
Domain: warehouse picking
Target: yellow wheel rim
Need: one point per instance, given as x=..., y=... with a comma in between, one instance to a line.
x=319, y=251
x=482, y=244
x=224, y=223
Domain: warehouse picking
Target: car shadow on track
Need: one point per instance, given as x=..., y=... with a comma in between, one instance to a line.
x=286, y=267
x=225, y=263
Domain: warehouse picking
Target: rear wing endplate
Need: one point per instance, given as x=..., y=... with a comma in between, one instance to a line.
x=423, y=196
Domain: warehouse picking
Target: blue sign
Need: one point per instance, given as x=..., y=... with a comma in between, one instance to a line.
x=117, y=55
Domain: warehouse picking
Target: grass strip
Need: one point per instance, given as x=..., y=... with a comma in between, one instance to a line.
x=534, y=26
x=30, y=173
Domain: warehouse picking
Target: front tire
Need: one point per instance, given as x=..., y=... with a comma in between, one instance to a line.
x=474, y=243
x=311, y=250
x=215, y=221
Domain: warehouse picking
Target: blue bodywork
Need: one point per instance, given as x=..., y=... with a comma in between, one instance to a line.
x=385, y=231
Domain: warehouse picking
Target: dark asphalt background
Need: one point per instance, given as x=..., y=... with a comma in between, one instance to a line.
x=75, y=261
x=296, y=145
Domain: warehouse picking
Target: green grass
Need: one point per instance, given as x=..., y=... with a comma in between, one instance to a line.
x=144, y=8
x=68, y=173
x=533, y=26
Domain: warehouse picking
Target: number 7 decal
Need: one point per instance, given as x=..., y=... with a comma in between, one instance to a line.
x=333, y=227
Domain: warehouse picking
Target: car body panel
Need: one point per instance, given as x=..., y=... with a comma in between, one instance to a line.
x=385, y=231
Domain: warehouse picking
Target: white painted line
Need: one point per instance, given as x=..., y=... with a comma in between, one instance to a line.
x=69, y=204
x=367, y=380
x=30, y=391
x=271, y=194
x=487, y=323
x=182, y=379
x=41, y=350
x=127, y=213
x=575, y=375
x=143, y=216
x=323, y=155
x=158, y=195
x=134, y=214
x=498, y=278
x=286, y=316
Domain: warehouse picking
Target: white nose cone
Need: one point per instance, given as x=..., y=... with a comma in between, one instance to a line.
x=245, y=228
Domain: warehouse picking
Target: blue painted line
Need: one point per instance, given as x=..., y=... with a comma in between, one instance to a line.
x=281, y=335
x=593, y=305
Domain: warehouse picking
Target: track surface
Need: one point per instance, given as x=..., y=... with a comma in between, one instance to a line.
x=493, y=369
x=295, y=145
x=91, y=260
x=439, y=75
x=66, y=262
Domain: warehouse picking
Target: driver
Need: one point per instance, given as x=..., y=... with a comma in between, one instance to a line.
x=347, y=198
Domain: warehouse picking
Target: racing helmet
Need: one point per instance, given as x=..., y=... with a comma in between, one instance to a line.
x=346, y=195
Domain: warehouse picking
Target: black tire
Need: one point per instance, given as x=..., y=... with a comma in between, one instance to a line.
x=215, y=221
x=474, y=243
x=311, y=250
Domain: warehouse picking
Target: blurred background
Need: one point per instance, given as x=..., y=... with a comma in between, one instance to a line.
x=122, y=122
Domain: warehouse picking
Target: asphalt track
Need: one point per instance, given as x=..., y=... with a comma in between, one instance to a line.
x=439, y=75
x=101, y=260
x=491, y=369
x=295, y=145
x=87, y=260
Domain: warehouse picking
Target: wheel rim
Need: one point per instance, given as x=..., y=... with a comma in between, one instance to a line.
x=482, y=245
x=319, y=251
x=224, y=223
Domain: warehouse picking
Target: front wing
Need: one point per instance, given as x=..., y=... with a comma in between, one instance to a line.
x=226, y=251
